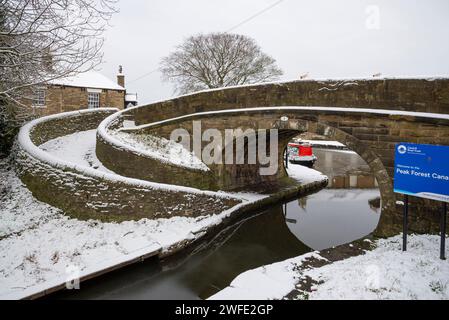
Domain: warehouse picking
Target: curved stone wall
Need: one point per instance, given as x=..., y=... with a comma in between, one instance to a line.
x=418, y=95
x=418, y=98
x=408, y=110
x=126, y=160
x=88, y=193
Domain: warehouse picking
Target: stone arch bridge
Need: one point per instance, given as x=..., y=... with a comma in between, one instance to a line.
x=368, y=116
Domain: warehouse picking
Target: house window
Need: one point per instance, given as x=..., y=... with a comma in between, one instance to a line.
x=39, y=98
x=93, y=100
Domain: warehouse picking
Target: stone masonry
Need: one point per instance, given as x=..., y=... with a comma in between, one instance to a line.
x=87, y=195
x=67, y=98
x=373, y=136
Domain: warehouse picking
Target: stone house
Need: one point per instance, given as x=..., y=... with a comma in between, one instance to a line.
x=130, y=100
x=86, y=90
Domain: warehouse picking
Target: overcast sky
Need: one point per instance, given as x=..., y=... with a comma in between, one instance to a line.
x=325, y=38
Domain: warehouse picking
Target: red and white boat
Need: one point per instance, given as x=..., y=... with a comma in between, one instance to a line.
x=301, y=153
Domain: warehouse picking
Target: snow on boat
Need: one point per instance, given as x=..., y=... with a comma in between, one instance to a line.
x=301, y=153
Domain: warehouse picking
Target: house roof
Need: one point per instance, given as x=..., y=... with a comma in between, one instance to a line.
x=131, y=97
x=89, y=79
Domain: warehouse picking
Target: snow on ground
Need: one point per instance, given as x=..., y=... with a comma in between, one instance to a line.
x=387, y=272
x=27, y=146
x=39, y=245
x=341, y=151
x=129, y=123
x=304, y=174
x=160, y=148
x=268, y=282
x=77, y=148
x=383, y=273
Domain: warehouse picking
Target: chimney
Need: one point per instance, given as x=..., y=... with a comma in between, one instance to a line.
x=120, y=77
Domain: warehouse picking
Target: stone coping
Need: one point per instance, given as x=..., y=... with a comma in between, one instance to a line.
x=86, y=193
x=26, y=144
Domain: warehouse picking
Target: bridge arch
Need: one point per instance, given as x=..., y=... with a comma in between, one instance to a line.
x=369, y=116
x=299, y=121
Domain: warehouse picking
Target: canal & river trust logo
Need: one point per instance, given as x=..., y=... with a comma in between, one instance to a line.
x=402, y=149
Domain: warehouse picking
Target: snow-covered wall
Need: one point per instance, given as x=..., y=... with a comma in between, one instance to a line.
x=88, y=193
x=368, y=115
x=417, y=95
x=134, y=156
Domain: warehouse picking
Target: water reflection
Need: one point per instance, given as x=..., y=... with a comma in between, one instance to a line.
x=347, y=210
x=325, y=219
x=352, y=181
x=261, y=240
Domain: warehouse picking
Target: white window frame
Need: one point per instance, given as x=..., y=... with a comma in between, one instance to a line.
x=93, y=99
x=40, y=96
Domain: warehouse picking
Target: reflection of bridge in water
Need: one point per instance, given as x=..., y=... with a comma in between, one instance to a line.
x=348, y=209
x=345, y=169
x=353, y=181
x=333, y=216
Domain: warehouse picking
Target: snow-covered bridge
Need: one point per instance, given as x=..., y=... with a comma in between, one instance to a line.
x=369, y=116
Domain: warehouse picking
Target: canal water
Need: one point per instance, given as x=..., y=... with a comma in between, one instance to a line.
x=348, y=209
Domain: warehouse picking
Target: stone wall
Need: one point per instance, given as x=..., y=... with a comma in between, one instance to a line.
x=44, y=131
x=88, y=193
x=137, y=166
x=419, y=95
x=372, y=135
x=65, y=98
x=88, y=197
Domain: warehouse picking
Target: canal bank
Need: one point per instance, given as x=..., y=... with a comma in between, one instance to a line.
x=42, y=249
x=368, y=268
x=365, y=269
x=341, y=213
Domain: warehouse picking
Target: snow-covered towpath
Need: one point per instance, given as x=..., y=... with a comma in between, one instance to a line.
x=41, y=248
x=77, y=148
x=383, y=273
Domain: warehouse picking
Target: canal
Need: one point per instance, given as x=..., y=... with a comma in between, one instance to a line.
x=348, y=209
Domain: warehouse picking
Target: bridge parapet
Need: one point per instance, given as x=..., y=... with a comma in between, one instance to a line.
x=88, y=193
x=417, y=95
x=369, y=116
x=352, y=117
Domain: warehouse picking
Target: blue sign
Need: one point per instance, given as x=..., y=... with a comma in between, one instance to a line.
x=422, y=170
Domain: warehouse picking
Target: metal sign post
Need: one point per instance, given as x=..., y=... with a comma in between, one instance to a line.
x=443, y=232
x=405, y=224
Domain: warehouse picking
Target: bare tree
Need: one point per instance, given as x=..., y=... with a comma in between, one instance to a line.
x=218, y=60
x=43, y=40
